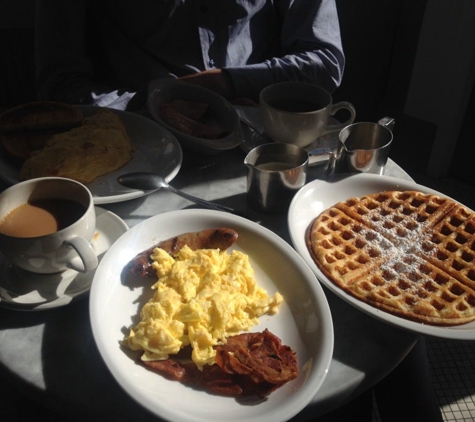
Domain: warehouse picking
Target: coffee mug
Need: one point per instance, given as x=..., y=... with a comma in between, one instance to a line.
x=47, y=225
x=298, y=112
x=275, y=172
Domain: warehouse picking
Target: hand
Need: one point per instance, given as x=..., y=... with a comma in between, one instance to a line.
x=215, y=80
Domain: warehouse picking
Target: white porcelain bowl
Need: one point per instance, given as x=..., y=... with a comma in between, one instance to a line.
x=220, y=111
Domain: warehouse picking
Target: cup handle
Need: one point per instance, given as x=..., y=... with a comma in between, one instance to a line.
x=338, y=106
x=318, y=155
x=87, y=259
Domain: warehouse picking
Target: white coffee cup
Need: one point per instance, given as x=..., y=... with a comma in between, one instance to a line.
x=298, y=112
x=52, y=199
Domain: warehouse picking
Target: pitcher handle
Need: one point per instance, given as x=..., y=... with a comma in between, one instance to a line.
x=387, y=122
x=318, y=155
x=338, y=106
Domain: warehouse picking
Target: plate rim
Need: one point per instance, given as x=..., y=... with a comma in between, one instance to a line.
x=446, y=332
x=316, y=377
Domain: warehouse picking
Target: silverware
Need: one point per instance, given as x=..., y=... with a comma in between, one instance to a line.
x=152, y=181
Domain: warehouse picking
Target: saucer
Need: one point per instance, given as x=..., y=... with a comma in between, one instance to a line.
x=27, y=291
x=253, y=139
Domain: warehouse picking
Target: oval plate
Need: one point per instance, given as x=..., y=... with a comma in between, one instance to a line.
x=303, y=322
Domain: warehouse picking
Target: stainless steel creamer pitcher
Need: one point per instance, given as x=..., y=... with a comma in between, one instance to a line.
x=363, y=147
x=275, y=172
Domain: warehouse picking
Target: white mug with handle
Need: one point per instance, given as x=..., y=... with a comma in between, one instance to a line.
x=47, y=225
x=298, y=112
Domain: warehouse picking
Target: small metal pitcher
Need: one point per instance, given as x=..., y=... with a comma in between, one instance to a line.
x=275, y=172
x=363, y=147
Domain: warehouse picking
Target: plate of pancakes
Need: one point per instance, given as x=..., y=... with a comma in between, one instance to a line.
x=396, y=250
x=93, y=145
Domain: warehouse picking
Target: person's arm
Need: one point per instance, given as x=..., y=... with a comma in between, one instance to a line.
x=312, y=52
x=63, y=72
x=216, y=80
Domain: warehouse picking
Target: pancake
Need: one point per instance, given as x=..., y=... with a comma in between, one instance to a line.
x=97, y=147
x=40, y=115
x=25, y=129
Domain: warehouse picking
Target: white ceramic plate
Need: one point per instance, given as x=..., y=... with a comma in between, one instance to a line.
x=303, y=322
x=22, y=290
x=319, y=195
x=157, y=151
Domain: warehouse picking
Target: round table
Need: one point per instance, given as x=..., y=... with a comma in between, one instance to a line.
x=51, y=355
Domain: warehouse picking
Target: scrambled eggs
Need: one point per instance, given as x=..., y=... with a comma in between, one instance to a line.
x=201, y=298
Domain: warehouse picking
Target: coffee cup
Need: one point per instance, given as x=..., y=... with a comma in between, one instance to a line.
x=298, y=112
x=275, y=172
x=47, y=225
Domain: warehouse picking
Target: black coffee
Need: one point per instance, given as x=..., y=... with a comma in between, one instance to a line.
x=296, y=105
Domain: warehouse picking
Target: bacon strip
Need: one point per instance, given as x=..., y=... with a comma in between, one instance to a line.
x=248, y=364
x=185, y=116
x=221, y=238
x=191, y=109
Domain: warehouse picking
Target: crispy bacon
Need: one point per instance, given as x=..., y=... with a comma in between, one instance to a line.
x=192, y=109
x=248, y=364
x=259, y=356
x=185, y=116
x=221, y=238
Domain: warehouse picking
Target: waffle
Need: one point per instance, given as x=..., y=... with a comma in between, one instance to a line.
x=407, y=253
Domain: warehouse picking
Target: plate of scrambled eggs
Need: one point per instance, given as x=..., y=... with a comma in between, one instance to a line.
x=282, y=291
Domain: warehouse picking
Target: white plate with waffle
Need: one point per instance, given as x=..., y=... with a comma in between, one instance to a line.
x=320, y=195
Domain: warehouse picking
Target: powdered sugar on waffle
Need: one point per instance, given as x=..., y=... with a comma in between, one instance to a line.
x=414, y=257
